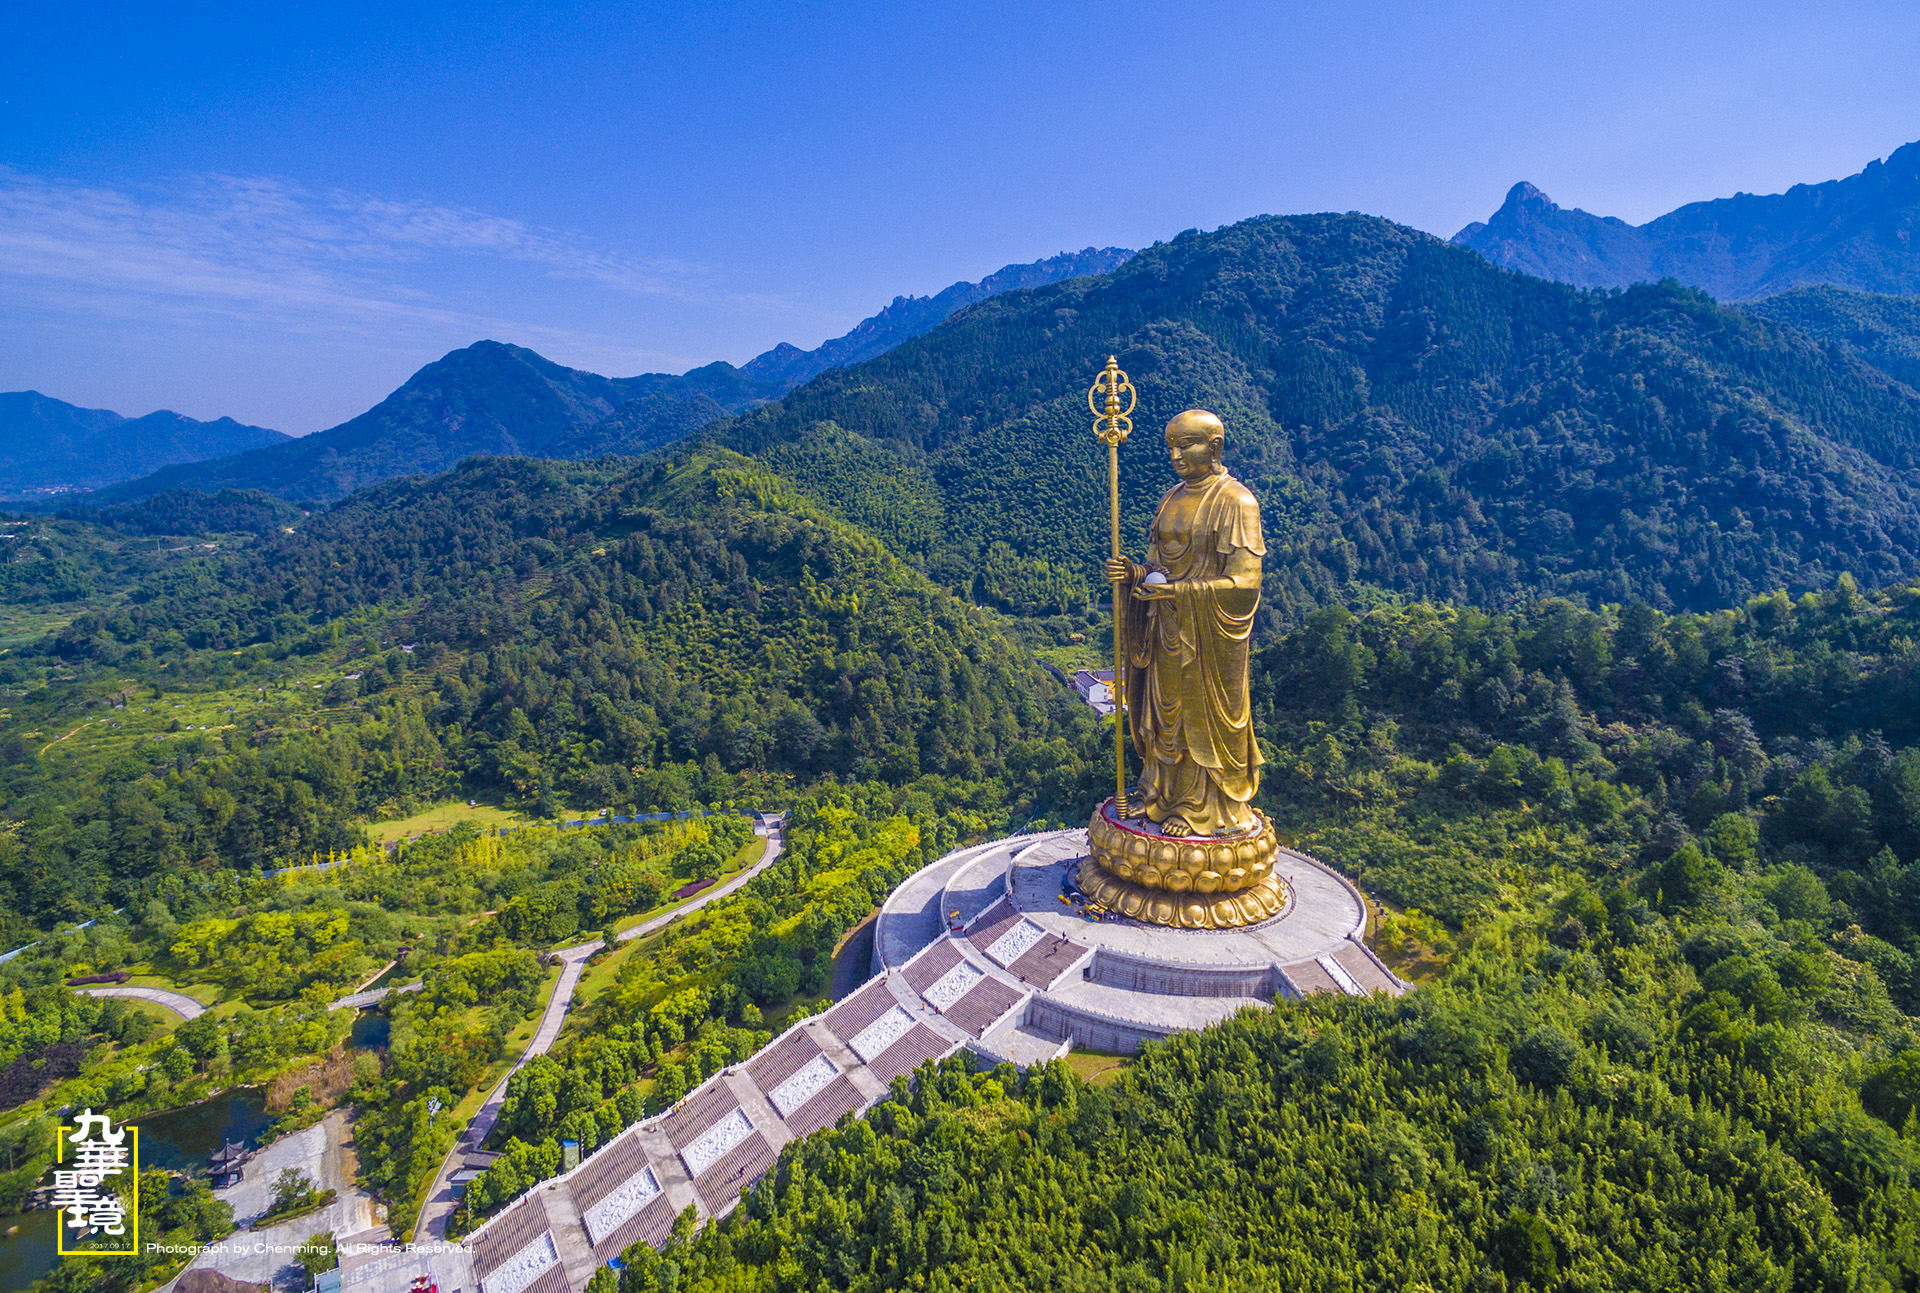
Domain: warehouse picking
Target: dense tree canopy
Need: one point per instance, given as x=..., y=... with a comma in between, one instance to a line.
x=1410, y=416
x=632, y=638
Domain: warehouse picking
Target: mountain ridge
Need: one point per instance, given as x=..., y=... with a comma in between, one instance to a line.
x=1857, y=232
x=1412, y=417
x=493, y=398
x=910, y=316
x=49, y=447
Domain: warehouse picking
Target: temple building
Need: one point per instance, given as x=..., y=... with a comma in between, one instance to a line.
x=224, y=1164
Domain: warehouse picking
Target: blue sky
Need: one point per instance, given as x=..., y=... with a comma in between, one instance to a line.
x=278, y=212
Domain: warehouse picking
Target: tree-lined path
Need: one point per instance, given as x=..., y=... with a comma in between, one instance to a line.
x=439, y=1206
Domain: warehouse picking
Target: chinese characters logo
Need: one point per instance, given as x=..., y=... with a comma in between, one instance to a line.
x=86, y=1194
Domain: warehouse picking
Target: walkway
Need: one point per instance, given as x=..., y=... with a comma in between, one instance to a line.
x=373, y=996
x=178, y=1002
x=438, y=1209
x=1000, y=988
x=434, y=1213
x=775, y=842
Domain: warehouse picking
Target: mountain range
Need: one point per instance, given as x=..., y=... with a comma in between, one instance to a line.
x=49, y=447
x=1861, y=232
x=1415, y=420
x=497, y=399
x=1412, y=418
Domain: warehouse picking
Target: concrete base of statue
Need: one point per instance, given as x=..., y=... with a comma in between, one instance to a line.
x=1183, y=882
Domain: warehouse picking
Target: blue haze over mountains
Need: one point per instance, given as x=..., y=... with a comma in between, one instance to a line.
x=49, y=447
x=487, y=399
x=1861, y=233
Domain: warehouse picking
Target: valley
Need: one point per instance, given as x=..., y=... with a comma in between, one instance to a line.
x=1586, y=649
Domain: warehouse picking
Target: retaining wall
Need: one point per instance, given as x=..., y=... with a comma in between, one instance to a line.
x=1089, y=1029
x=1140, y=974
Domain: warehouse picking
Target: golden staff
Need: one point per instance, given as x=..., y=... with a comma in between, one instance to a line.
x=1112, y=426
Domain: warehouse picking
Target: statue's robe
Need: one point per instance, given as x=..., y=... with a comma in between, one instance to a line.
x=1186, y=681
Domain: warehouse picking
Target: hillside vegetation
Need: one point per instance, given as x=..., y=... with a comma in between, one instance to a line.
x=1665, y=923
x=1411, y=417
x=1881, y=330
x=1561, y=659
x=537, y=632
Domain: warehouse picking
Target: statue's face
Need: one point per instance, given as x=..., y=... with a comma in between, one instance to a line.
x=1195, y=455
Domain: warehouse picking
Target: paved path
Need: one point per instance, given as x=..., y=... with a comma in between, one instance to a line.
x=912, y=917
x=775, y=842
x=361, y=1000
x=435, y=1212
x=178, y=1002
x=438, y=1209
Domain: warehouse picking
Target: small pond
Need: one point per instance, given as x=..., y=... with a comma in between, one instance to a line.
x=26, y=1248
x=371, y=1029
x=179, y=1140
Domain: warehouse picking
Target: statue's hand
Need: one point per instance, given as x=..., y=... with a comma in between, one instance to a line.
x=1121, y=571
x=1147, y=592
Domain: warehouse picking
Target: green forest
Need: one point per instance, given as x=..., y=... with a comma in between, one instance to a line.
x=652, y=637
x=1411, y=418
x=1590, y=649
x=1656, y=879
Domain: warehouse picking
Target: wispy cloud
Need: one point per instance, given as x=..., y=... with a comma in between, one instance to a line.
x=267, y=252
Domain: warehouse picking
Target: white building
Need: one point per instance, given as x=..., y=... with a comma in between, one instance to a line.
x=1096, y=688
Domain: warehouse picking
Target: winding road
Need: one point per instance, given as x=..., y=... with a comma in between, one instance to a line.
x=775, y=842
x=431, y=1227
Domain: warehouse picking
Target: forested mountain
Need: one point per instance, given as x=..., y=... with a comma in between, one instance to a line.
x=1669, y=867
x=1658, y=876
x=1411, y=417
x=1882, y=330
x=486, y=399
x=49, y=446
x=574, y=630
x=1855, y=232
x=494, y=399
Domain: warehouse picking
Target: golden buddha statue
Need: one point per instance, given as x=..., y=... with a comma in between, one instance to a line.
x=1191, y=850
x=1187, y=633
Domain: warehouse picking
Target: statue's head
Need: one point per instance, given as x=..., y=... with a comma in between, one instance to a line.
x=1195, y=441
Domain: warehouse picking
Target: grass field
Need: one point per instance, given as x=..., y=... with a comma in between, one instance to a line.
x=1098, y=1067
x=19, y=625
x=443, y=817
x=206, y=994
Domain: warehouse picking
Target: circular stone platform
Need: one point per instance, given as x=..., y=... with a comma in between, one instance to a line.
x=983, y=939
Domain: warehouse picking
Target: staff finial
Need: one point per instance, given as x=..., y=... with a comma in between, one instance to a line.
x=1113, y=424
